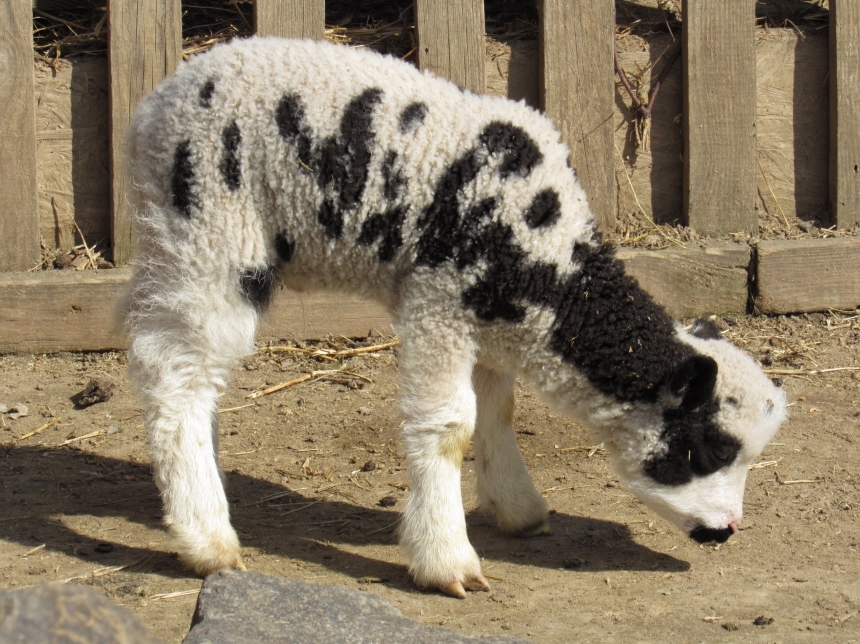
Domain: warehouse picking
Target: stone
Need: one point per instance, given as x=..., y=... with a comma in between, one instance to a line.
x=67, y=614
x=244, y=607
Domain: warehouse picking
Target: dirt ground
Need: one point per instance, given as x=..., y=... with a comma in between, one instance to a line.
x=308, y=468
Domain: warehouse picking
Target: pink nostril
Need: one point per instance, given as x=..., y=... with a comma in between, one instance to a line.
x=734, y=526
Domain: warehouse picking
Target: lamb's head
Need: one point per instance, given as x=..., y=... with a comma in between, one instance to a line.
x=687, y=456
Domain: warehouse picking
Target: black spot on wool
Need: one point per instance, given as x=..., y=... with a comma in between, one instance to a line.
x=231, y=169
x=345, y=159
x=284, y=247
x=520, y=154
x=206, y=92
x=182, y=181
x=257, y=285
x=341, y=162
x=387, y=227
x=446, y=232
x=392, y=177
x=412, y=116
x=289, y=116
x=696, y=446
x=544, y=210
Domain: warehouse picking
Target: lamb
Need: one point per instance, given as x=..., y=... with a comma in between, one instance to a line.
x=322, y=166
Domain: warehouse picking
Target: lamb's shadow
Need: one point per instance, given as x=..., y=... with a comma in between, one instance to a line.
x=309, y=529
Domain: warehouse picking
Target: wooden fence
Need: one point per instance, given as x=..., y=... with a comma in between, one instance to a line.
x=52, y=310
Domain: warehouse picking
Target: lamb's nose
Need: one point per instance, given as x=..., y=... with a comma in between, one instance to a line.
x=706, y=535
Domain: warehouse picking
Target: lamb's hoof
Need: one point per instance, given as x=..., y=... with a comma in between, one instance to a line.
x=211, y=565
x=534, y=530
x=458, y=589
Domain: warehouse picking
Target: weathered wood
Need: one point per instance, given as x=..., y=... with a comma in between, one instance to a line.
x=451, y=40
x=290, y=18
x=19, y=216
x=74, y=311
x=578, y=83
x=692, y=282
x=72, y=150
x=144, y=46
x=799, y=275
x=792, y=125
x=844, y=112
x=719, y=116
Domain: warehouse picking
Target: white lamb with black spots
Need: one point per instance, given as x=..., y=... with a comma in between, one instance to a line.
x=322, y=166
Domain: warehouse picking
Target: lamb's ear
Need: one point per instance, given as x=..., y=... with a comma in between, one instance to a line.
x=705, y=330
x=693, y=381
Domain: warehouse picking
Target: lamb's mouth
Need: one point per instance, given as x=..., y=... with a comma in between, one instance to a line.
x=707, y=535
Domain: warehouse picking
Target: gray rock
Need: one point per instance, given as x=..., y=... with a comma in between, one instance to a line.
x=244, y=607
x=66, y=614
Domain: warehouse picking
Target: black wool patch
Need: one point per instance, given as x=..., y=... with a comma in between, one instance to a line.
x=341, y=162
x=289, y=116
x=392, y=177
x=231, y=169
x=613, y=331
x=446, y=231
x=544, y=210
x=696, y=446
x=206, y=92
x=284, y=247
x=182, y=181
x=257, y=285
x=345, y=159
x=520, y=154
x=412, y=116
x=387, y=227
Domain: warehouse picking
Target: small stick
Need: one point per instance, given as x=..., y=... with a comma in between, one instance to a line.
x=178, y=593
x=493, y=577
x=268, y=498
x=40, y=429
x=303, y=507
x=781, y=211
x=98, y=432
x=390, y=525
x=763, y=464
x=283, y=385
x=354, y=352
x=33, y=551
x=229, y=409
x=807, y=372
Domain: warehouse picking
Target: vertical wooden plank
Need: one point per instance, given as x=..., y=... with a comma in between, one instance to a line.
x=577, y=90
x=845, y=112
x=451, y=40
x=720, y=166
x=19, y=212
x=290, y=18
x=144, y=46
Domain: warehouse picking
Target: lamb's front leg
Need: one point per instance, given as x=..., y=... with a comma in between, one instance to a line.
x=439, y=406
x=505, y=488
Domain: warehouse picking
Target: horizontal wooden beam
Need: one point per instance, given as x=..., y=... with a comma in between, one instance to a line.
x=75, y=311
x=692, y=282
x=800, y=275
x=54, y=311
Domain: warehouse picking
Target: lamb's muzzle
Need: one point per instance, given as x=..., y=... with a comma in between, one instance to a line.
x=701, y=534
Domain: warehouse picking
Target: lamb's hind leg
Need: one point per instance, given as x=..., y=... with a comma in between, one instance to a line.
x=505, y=488
x=439, y=407
x=186, y=332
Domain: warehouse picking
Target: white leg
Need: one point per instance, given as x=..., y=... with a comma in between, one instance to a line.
x=186, y=332
x=505, y=488
x=439, y=407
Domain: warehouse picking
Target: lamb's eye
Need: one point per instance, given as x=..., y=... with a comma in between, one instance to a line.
x=724, y=453
x=733, y=402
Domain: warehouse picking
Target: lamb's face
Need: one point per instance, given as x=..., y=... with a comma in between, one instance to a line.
x=692, y=451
